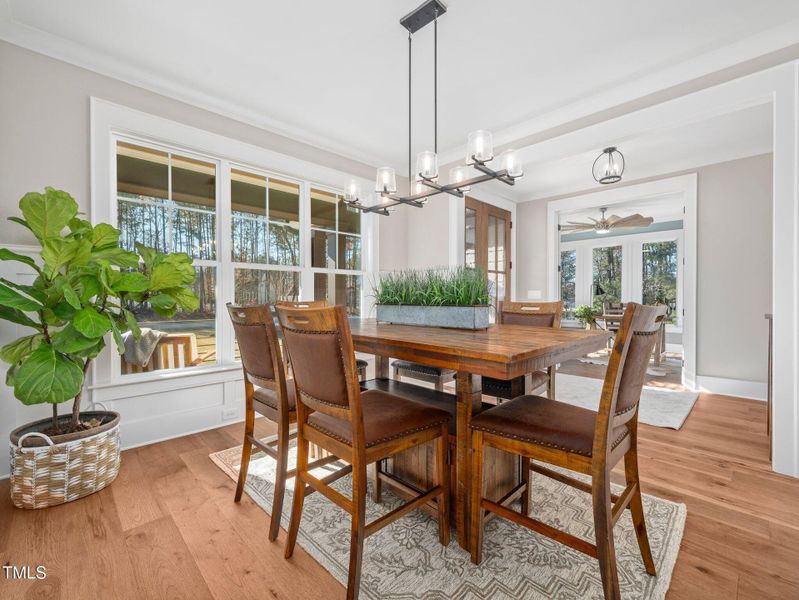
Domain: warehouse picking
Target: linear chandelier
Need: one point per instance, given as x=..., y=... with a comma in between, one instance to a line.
x=480, y=147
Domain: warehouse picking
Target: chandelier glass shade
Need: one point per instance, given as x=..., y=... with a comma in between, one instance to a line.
x=424, y=183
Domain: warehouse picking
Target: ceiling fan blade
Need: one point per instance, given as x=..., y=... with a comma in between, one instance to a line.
x=613, y=218
x=577, y=227
x=634, y=221
x=580, y=223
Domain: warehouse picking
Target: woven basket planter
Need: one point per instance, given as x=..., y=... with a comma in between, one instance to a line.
x=51, y=471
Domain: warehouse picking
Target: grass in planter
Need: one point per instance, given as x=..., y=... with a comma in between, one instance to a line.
x=434, y=287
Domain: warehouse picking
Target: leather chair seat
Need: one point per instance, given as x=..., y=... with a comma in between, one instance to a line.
x=546, y=423
x=413, y=367
x=502, y=387
x=385, y=417
x=262, y=395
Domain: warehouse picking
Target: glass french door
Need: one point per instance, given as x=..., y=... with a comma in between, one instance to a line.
x=487, y=245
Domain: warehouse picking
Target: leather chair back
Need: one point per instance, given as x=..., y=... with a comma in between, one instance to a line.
x=626, y=372
x=257, y=337
x=319, y=344
x=534, y=314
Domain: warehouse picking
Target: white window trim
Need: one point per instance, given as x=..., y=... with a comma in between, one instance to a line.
x=110, y=121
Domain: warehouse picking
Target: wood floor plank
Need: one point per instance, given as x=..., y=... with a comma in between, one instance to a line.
x=163, y=565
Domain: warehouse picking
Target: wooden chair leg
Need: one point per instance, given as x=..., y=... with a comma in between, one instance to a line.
x=357, y=535
x=280, y=482
x=526, y=478
x=377, y=484
x=440, y=384
x=603, y=526
x=299, y=494
x=637, y=510
x=396, y=374
x=246, y=449
x=476, y=512
x=442, y=474
x=551, y=371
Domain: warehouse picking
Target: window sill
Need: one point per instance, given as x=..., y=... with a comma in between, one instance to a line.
x=167, y=375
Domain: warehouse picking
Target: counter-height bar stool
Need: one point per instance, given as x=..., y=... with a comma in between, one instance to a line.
x=582, y=440
x=267, y=392
x=532, y=314
x=360, y=427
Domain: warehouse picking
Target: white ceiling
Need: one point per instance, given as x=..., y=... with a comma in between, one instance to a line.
x=715, y=139
x=334, y=73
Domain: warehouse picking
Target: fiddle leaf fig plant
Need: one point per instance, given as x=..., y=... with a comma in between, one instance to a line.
x=85, y=285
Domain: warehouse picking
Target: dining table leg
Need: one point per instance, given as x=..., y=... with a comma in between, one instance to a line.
x=469, y=398
x=381, y=367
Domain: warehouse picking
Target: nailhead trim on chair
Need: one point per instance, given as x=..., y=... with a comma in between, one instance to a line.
x=545, y=444
x=401, y=434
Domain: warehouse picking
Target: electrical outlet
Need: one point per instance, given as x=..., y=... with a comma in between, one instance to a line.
x=229, y=413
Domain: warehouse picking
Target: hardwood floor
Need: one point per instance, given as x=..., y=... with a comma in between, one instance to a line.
x=168, y=527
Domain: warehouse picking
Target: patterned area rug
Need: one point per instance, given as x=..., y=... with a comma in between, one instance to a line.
x=405, y=561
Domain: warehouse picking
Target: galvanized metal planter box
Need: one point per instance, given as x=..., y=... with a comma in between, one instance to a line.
x=456, y=317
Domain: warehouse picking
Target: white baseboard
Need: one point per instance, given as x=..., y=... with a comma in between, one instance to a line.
x=742, y=388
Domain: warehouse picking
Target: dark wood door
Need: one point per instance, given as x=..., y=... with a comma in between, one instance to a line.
x=487, y=246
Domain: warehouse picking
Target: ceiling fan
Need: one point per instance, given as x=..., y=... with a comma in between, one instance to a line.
x=604, y=225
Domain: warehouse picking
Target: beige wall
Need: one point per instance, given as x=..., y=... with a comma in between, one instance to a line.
x=734, y=263
x=44, y=135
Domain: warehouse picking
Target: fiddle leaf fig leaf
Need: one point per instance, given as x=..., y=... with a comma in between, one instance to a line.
x=47, y=214
x=104, y=235
x=166, y=276
x=20, y=349
x=118, y=337
x=71, y=297
x=90, y=287
x=17, y=316
x=57, y=252
x=6, y=254
x=148, y=255
x=11, y=298
x=70, y=340
x=130, y=282
x=30, y=290
x=47, y=376
x=186, y=299
x=132, y=324
x=91, y=323
x=116, y=256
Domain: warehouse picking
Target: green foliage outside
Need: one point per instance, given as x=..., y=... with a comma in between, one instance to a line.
x=84, y=285
x=462, y=286
x=607, y=273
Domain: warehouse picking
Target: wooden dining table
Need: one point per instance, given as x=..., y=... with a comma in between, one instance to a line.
x=501, y=352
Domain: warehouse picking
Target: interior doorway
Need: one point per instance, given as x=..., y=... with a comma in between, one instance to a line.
x=487, y=245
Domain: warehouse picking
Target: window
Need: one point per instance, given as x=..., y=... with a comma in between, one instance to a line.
x=606, y=263
x=336, y=247
x=283, y=239
x=168, y=202
x=660, y=275
x=568, y=275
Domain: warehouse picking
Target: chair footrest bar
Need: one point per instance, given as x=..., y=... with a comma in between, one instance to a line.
x=506, y=500
x=542, y=528
x=398, y=512
x=328, y=492
x=575, y=483
x=316, y=464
